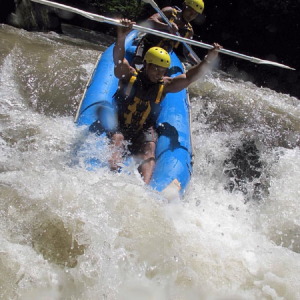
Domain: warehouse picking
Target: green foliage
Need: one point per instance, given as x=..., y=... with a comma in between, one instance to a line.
x=131, y=9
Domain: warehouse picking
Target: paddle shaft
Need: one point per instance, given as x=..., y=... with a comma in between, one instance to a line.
x=103, y=19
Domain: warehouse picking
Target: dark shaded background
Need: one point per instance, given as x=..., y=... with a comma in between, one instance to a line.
x=266, y=29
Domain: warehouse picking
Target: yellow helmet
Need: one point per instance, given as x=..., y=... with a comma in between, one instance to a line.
x=158, y=56
x=197, y=5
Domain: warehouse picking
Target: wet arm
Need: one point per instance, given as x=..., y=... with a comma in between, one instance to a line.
x=182, y=81
x=122, y=67
x=156, y=21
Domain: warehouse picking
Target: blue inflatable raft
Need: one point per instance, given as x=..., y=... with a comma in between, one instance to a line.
x=174, y=155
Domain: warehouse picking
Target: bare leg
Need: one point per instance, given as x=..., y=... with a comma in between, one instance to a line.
x=148, y=161
x=117, y=149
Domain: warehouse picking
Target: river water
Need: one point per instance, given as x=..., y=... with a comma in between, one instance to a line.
x=69, y=233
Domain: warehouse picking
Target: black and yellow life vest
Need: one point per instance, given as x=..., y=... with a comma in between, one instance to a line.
x=138, y=102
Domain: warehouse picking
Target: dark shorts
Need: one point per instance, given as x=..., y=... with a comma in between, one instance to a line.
x=135, y=140
x=135, y=143
x=145, y=136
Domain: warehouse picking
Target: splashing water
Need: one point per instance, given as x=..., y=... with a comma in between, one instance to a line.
x=70, y=233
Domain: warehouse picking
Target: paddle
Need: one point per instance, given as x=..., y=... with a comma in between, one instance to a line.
x=155, y=6
x=100, y=18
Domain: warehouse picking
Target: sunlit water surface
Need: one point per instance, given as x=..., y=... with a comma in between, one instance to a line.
x=69, y=233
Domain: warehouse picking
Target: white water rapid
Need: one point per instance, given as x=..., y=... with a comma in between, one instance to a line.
x=70, y=234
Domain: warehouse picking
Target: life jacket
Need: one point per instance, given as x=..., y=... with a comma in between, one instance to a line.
x=138, y=102
x=165, y=43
